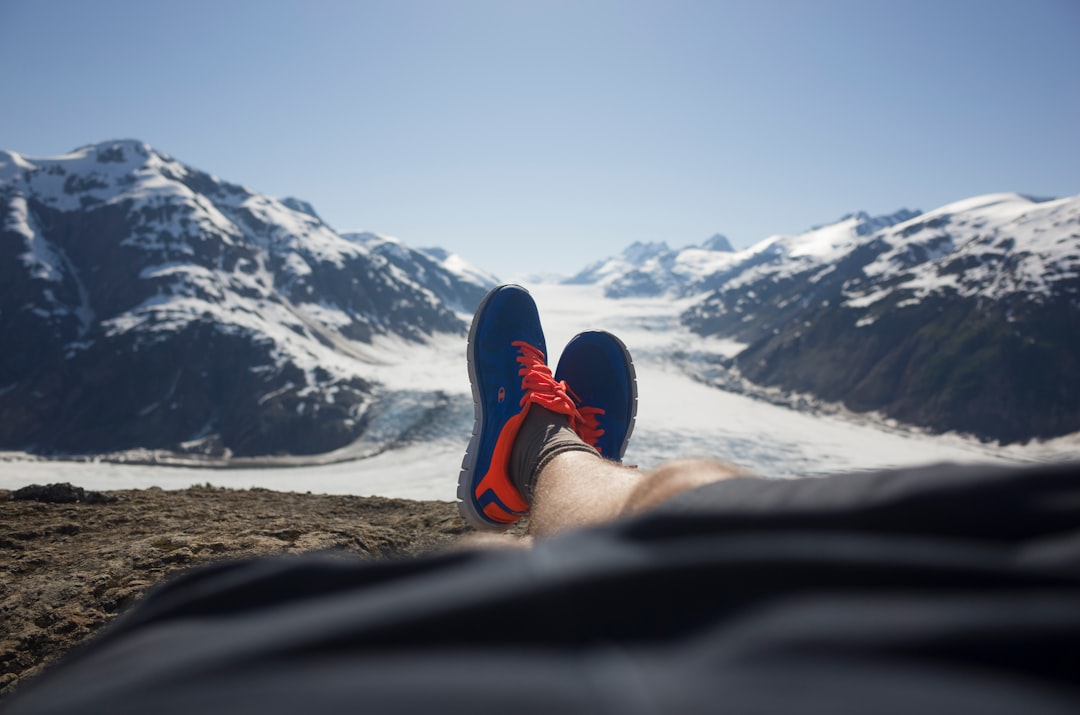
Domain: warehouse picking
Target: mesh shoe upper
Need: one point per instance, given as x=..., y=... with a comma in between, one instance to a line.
x=509, y=373
x=597, y=367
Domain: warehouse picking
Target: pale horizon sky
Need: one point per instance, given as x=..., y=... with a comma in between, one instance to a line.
x=542, y=136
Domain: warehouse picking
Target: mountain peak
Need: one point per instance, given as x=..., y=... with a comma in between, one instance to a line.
x=108, y=158
x=718, y=242
x=368, y=239
x=871, y=224
x=119, y=151
x=302, y=206
x=639, y=252
x=201, y=307
x=865, y=224
x=983, y=202
x=439, y=254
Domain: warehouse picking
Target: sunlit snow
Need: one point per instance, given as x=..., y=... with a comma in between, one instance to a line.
x=979, y=234
x=677, y=417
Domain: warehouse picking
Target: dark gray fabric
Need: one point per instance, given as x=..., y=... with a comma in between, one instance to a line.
x=939, y=590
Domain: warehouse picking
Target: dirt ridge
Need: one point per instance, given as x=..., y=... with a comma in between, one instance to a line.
x=71, y=560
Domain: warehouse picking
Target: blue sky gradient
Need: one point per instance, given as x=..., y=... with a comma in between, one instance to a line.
x=540, y=136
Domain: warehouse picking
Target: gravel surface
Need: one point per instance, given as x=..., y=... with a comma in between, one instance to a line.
x=71, y=560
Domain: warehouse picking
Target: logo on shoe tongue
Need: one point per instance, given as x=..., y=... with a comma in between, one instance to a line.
x=502, y=394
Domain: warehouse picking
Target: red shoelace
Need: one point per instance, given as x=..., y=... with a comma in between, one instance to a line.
x=542, y=389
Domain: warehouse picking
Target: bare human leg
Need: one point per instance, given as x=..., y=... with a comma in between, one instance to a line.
x=578, y=489
x=540, y=440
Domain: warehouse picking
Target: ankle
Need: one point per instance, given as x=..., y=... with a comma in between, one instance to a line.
x=543, y=435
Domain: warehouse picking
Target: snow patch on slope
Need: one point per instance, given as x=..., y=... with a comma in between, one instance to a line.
x=44, y=262
x=679, y=415
x=992, y=246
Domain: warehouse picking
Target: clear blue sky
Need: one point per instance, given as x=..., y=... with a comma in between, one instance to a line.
x=540, y=136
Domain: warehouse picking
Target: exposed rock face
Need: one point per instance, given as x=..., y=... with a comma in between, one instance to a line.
x=966, y=318
x=64, y=493
x=1005, y=373
x=144, y=303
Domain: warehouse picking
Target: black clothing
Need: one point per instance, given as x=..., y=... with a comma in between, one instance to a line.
x=945, y=589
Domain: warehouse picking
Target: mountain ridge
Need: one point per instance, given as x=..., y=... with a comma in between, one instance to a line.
x=959, y=318
x=158, y=306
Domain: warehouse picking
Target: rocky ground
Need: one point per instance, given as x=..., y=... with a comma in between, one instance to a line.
x=71, y=560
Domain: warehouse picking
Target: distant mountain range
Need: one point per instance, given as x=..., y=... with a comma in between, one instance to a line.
x=145, y=303
x=962, y=318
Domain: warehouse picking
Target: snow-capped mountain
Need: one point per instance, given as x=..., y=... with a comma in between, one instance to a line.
x=653, y=269
x=453, y=280
x=642, y=269
x=963, y=318
x=145, y=303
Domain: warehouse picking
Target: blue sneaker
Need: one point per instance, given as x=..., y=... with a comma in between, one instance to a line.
x=600, y=374
x=509, y=373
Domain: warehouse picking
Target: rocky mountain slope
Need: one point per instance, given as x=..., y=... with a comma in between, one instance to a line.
x=145, y=303
x=963, y=318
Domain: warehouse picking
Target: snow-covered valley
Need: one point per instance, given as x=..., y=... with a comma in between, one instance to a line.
x=415, y=444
